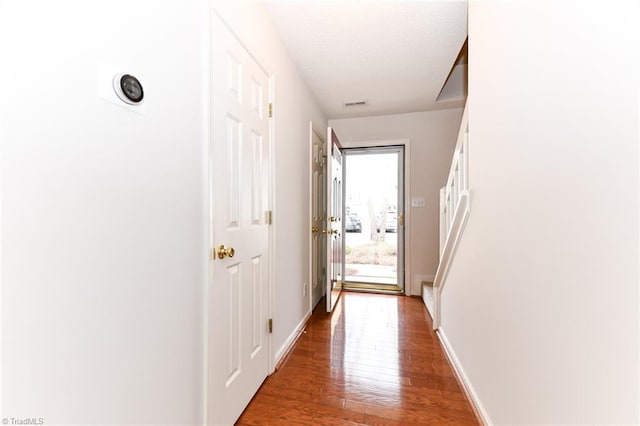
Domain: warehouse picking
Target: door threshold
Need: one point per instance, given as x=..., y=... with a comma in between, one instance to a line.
x=372, y=287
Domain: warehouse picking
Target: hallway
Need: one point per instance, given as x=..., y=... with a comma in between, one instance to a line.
x=375, y=361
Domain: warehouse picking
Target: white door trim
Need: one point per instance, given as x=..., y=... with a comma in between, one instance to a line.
x=310, y=221
x=407, y=196
x=272, y=229
x=207, y=242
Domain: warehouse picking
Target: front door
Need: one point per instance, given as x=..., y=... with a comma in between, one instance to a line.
x=374, y=218
x=238, y=310
x=318, y=217
x=335, y=225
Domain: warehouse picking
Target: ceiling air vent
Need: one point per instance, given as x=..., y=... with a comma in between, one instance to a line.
x=355, y=103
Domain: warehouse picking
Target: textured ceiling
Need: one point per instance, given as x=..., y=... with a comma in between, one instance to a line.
x=396, y=55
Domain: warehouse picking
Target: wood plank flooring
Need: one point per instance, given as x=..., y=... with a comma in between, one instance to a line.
x=375, y=361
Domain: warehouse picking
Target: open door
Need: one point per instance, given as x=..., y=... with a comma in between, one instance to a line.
x=335, y=224
x=318, y=216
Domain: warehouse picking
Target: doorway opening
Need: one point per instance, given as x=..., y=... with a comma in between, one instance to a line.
x=374, y=218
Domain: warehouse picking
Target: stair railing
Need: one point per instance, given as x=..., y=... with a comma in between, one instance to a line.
x=454, y=212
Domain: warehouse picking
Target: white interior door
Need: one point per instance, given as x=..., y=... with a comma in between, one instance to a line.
x=335, y=224
x=318, y=217
x=238, y=332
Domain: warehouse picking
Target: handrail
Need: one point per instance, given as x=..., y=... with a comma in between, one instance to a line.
x=454, y=211
x=457, y=183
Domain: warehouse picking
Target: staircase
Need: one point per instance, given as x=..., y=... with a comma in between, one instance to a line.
x=454, y=212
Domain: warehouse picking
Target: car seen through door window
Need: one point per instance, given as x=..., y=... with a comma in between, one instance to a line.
x=390, y=220
x=353, y=224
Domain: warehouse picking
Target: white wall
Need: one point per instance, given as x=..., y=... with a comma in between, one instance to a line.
x=103, y=246
x=541, y=304
x=294, y=107
x=432, y=136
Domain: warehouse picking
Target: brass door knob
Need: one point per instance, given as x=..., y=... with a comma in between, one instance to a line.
x=315, y=230
x=225, y=251
x=334, y=232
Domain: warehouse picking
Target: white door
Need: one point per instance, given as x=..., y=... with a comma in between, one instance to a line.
x=335, y=224
x=238, y=296
x=318, y=217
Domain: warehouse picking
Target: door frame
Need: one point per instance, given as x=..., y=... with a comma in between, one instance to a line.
x=208, y=245
x=407, y=195
x=272, y=208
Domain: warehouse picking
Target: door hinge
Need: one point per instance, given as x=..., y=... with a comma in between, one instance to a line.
x=270, y=325
x=270, y=109
x=269, y=217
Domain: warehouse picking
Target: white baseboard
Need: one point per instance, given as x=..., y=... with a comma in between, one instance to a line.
x=467, y=387
x=291, y=339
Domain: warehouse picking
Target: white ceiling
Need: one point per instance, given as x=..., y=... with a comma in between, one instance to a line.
x=396, y=55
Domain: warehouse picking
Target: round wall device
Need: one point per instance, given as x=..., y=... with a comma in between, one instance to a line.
x=128, y=88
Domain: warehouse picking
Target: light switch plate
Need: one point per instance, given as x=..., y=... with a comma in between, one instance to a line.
x=418, y=202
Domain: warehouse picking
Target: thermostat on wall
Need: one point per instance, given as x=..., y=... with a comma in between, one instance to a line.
x=128, y=88
x=111, y=86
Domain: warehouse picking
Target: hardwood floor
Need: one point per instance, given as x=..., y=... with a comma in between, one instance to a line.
x=375, y=361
